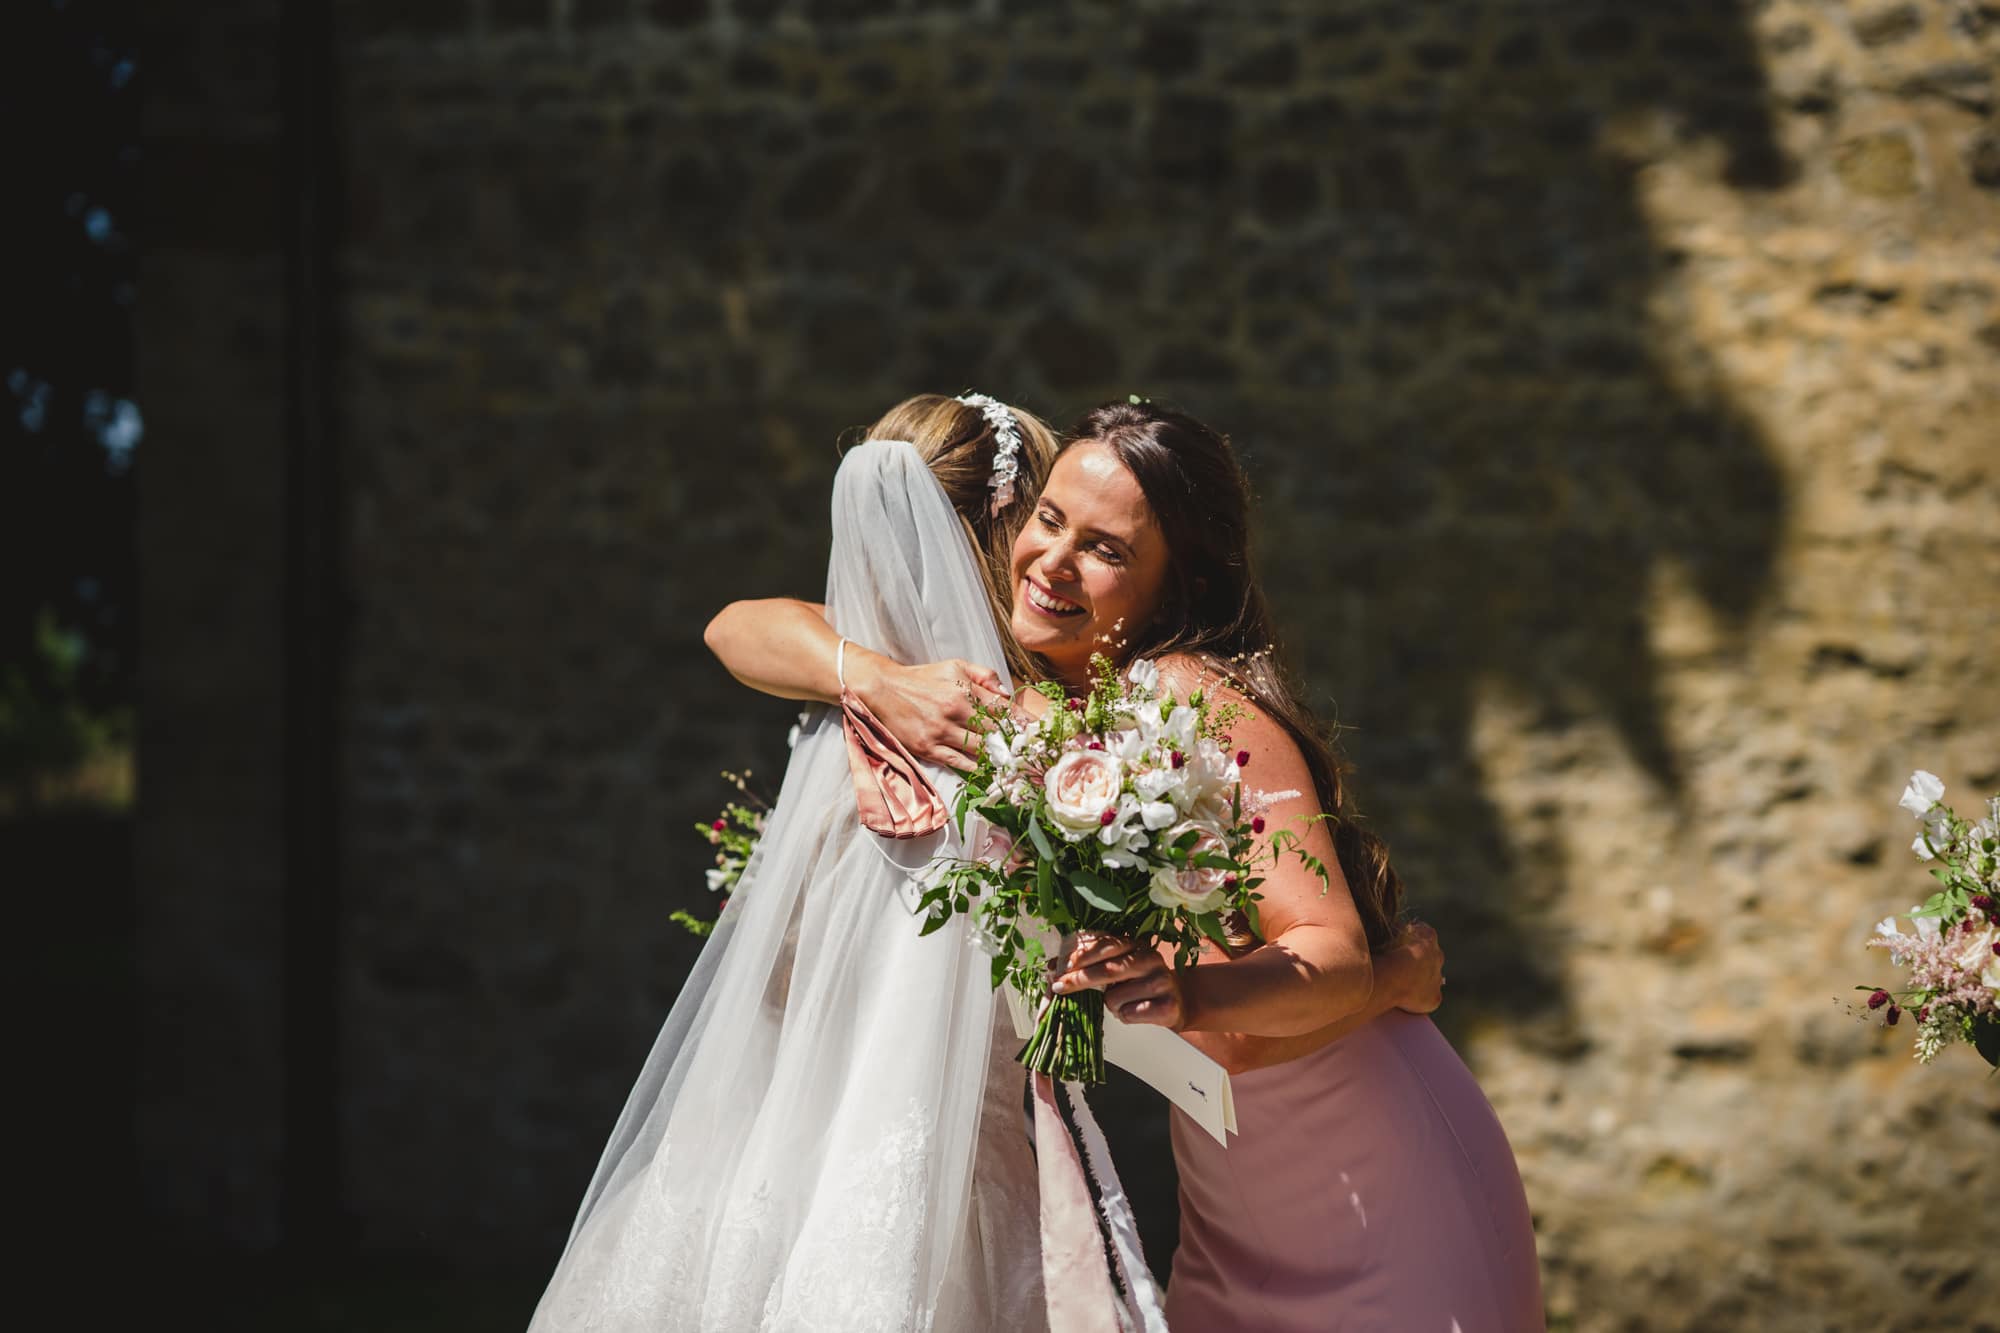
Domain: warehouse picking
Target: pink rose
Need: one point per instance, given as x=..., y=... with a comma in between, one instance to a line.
x=1195, y=888
x=1081, y=788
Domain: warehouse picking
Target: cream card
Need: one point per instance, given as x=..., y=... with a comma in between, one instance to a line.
x=1163, y=1061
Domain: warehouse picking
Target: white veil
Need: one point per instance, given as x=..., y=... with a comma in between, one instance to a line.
x=805, y=1148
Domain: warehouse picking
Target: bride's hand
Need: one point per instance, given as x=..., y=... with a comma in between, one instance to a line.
x=1139, y=985
x=928, y=708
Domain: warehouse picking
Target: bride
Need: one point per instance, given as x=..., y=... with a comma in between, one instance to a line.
x=828, y=1133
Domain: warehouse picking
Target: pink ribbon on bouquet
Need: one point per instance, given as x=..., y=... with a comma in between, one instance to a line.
x=1075, y=1273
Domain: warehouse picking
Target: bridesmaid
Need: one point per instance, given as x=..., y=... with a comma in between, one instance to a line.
x=1370, y=1186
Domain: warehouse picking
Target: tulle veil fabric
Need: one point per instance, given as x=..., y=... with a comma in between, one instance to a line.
x=814, y=1142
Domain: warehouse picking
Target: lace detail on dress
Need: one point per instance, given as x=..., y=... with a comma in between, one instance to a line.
x=632, y=1268
x=856, y=1268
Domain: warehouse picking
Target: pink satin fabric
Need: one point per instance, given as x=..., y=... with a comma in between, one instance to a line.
x=894, y=797
x=1074, y=1272
x=1371, y=1190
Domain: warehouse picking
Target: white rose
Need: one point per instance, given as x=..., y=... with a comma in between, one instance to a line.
x=1975, y=951
x=1081, y=787
x=1210, y=772
x=1196, y=888
x=1923, y=792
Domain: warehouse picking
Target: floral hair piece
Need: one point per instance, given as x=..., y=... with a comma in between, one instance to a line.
x=1006, y=447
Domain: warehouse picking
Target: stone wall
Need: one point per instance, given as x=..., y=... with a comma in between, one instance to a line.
x=1621, y=383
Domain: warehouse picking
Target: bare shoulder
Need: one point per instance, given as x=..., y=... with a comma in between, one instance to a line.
x=1181, y=674
x=1275, y=760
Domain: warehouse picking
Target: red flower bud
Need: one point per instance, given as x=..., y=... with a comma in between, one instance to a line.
x=1242, y=758
x=1109, y=815
x=1178, y=759
x=1094, y=745
x=1984, y=902
x=1075, y=705
x=1257, y=824
x=1923, y=1013
x=1878, y=999
x=1229, y=881
x=1996, y=946
x=1894, y=1014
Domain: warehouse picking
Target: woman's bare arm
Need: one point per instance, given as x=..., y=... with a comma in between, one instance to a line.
x=784, y=647
x=1408, y=976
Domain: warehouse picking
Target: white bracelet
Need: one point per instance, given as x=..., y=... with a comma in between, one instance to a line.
x=840, y=664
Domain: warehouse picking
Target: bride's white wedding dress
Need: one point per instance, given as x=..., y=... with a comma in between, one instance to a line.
x=828, y=1134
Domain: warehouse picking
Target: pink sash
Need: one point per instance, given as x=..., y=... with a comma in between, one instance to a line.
x=894, y=797
x=1076, y=1272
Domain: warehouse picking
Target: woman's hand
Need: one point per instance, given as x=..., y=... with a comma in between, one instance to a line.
x=928, y=708
x=1418, y=969
x=1139, y=985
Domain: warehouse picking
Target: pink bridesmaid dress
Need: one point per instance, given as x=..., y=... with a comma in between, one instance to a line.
x=1370, y=1190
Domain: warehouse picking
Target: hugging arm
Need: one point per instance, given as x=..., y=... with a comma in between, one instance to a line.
x=785, y=647
x=1407, y=975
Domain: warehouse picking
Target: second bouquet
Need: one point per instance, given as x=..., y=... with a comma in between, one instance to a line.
x=1122, y=811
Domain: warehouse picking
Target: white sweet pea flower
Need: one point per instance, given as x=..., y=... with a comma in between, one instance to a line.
x=1922, y=847
x=1157, y=815
x=1887, y=929
x=1129, y=744
x=1155, y=784
x=1145, y=674
x=1924, y=791
x=1927, y=926
x=1007, y=755
x=1123, y=824
x=1124, y=839
x=718, y=878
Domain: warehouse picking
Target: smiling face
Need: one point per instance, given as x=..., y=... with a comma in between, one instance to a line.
x=1091, y=565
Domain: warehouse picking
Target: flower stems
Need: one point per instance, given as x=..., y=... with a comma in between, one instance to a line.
x=1068, y=1041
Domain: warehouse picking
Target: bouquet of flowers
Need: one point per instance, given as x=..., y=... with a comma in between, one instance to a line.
x=1953, y=954
x=734, y=834
x=1124, y=812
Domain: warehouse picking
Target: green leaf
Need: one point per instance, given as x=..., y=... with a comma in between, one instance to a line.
x=933, y=923
x=1210, y=924
x=1041, y=840
x=1098, y=891
x=1045, y=887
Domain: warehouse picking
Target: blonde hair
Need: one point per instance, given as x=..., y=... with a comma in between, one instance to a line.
x=956, y=441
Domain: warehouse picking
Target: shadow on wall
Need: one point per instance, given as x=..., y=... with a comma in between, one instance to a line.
x=1503, y=457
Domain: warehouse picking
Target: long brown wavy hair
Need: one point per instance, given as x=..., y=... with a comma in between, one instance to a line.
x=1214, y=610
x=957, y=443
